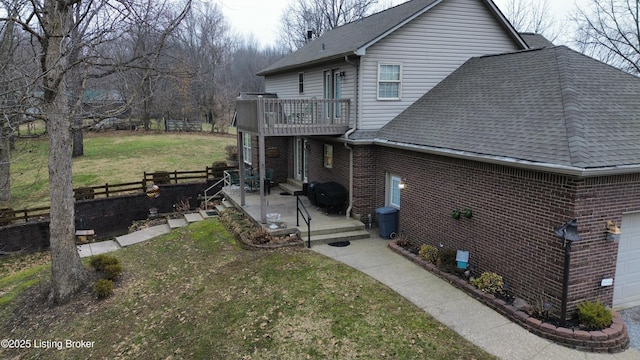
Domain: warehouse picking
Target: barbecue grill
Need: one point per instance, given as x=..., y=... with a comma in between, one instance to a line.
x=331, y=195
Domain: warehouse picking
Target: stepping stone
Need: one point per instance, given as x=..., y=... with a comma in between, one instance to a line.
x=176, y=223
x=97, y=248
x=142, y=235
x=193, y=217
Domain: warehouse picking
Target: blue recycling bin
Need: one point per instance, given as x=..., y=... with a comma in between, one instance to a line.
x=387, y=221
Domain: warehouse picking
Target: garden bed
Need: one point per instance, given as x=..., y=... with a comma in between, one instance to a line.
x=609, y=340
x=253, y=236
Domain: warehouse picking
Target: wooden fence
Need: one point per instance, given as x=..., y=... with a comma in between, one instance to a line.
x=8, y=216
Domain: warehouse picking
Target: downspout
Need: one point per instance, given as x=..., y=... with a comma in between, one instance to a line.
x=348, y=133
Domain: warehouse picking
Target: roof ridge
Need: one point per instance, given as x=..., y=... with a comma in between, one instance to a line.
x=573, y=114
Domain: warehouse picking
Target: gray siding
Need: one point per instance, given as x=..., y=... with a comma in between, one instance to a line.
x=429, y=48
x=286, y=85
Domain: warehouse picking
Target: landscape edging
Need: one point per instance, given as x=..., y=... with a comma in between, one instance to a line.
x=613, y=339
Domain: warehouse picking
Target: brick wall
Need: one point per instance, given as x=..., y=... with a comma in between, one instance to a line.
x=600, y=199
x=280, y=163
x=315, y=160
x=514, y=214
x=365, y=179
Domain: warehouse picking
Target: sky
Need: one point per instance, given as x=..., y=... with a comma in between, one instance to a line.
x=261, y=18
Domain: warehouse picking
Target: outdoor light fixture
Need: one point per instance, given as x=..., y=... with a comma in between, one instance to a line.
x=401, y=184
x=613, y=231
x=569, y=233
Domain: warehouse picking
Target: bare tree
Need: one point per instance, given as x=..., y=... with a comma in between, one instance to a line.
x=7, y=120
x=249, y=59
x=609, y=30
x=205, y=83
x=51, y=25
x=534, y=16
x=319, y=16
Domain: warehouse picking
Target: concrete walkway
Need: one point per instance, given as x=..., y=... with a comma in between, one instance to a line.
x=452, y=307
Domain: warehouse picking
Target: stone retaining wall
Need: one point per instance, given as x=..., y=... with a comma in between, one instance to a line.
x=108, y=217
x=610, y=340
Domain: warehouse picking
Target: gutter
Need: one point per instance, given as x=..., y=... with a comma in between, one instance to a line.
x=347, y=213
x=500, y=160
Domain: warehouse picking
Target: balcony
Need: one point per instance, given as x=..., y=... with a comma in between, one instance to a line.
x=293, y=117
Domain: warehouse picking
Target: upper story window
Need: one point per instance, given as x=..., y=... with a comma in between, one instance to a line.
x=389, y=81
x=300, y=83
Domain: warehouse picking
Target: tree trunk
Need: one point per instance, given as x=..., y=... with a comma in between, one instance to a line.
x=6, y=134
x=67, y=272
x=78, y=143
x=5, y=170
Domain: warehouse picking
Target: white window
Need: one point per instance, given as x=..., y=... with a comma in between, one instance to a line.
x=393, y=191
x=246, y=147
x=389, y=81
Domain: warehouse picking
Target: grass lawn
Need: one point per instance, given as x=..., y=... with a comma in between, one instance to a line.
x=113, y=157
x=195, y=294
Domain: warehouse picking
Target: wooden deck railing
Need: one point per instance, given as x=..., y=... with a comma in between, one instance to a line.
x=271, y=116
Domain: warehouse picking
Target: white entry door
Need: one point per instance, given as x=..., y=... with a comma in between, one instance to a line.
x=300, y=164
x=626, y=288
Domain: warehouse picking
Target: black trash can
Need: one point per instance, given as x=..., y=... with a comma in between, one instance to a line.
x=311, y=193
x=387, y=221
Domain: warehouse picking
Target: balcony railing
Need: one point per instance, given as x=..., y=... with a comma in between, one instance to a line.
x=281, y=117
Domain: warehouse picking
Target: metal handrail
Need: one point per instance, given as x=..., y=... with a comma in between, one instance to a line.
x=226, y=179
x=306, y=219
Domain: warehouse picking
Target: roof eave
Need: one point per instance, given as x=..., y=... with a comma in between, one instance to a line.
x=307, y=64
x=507, y=24
x=519, y=163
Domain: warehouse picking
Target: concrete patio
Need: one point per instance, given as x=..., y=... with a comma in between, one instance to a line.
x=325, y=227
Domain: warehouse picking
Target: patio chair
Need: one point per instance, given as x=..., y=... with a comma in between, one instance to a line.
x=234, y=181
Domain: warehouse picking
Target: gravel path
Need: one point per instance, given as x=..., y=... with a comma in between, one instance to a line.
x=631, y=318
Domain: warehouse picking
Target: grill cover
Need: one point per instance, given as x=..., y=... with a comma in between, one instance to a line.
x=330, y=194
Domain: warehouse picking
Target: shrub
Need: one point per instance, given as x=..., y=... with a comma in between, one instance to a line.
x=112, y=271
x=103, y=288
x=402, y=240
x=109, y=265
x=84, y=193
x=259, y=236
x=447, y=260
x=429, y=253
x=594, y=316
x=489, y=282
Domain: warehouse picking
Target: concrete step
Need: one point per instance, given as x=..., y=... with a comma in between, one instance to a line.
x=295, y=182
x=342, y=236
x=290, y=188
x=327, y=229
x=209, y=213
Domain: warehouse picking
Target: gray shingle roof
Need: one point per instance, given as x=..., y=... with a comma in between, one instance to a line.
x=536, y=41
x=552, y=105
x=346, y=39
